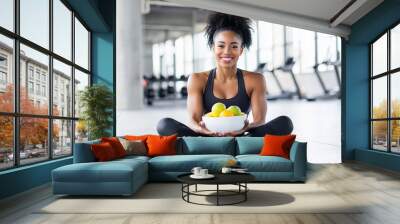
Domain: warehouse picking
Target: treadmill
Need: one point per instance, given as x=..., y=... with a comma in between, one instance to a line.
x=285, y=94
x=327, y=93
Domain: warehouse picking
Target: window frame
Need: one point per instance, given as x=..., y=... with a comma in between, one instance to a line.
x=388, y=74
x=16, y=115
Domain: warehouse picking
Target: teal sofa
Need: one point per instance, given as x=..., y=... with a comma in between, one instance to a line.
x=125, y=176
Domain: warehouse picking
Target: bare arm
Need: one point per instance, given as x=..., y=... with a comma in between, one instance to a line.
x=194, y=104
x=258, y=102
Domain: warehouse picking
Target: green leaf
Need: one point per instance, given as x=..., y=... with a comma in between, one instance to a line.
x=96, y=102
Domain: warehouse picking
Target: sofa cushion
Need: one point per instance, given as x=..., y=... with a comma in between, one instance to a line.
x=206, y=145
x=249, y=145
x=257, y=163
x=185, y=163
x=134, y=157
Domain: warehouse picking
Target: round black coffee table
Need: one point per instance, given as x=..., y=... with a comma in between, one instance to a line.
x=238, y=179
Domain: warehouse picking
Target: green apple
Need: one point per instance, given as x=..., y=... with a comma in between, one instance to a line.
x=217, y=108
x=235, y=110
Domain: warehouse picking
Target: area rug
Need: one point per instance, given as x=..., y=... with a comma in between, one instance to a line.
x=167, y=198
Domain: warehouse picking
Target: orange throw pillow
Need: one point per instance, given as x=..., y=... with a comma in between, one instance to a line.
x=161, y=145
x=116, y=145
x=103, y=152
x=277, y=145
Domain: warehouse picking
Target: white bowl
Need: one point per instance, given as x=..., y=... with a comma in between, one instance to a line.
x=224, y=124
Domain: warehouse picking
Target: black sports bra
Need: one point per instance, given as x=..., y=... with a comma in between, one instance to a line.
x=242, y=100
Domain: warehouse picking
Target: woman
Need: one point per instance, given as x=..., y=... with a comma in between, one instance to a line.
x=227, y=36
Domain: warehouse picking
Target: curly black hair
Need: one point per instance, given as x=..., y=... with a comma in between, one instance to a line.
x=221, y=22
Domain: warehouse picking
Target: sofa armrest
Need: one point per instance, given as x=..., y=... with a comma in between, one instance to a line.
x=298, y=155
x=83, y=152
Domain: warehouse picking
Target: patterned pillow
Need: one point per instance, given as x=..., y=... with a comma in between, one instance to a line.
x=135, y=147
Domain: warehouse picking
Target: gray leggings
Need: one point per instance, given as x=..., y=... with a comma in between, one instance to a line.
x=279, y=126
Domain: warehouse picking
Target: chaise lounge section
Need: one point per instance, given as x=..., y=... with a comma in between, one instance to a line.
x=88, y=177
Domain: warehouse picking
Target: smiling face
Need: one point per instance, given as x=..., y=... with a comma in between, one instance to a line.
x=227, y=48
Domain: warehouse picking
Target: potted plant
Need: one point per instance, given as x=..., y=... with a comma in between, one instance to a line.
x=96, y=103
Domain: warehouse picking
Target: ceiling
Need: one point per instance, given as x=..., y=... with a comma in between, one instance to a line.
x=321, y=9
x=326, y=16
x=165, y=22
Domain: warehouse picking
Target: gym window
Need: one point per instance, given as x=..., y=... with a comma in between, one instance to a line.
x=44, y=63
x=384, y=91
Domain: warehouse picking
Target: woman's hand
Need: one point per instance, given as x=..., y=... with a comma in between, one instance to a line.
x=203, y=130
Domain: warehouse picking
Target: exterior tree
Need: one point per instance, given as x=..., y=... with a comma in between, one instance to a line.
x=33, y=131
x=380, y=128
x=6, y=122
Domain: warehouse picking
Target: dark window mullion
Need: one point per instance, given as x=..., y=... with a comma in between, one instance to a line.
x=7, y=33
x=82, y=69
x=371, y=137
x=371, y=82
x=389, y=106
x=379, y=75
x=62, y=59
x=395, y=70
x=50, y=87
x=16, y=83
x=73, y=82
x=89, y=53
x=41, y=116
x=382, y=119
x=115, y=79
x=386, y=73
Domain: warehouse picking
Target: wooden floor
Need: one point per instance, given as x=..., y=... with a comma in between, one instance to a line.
x=377, y=188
